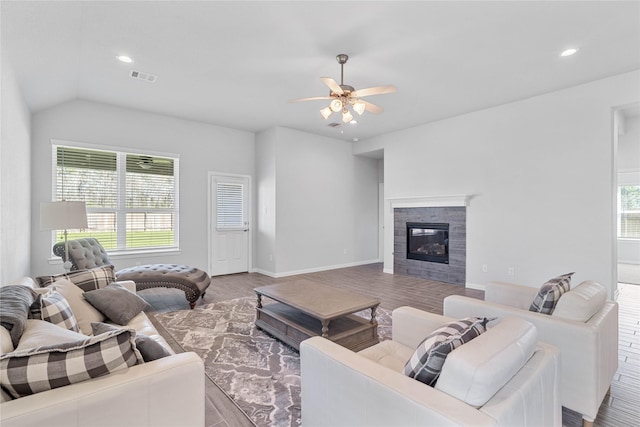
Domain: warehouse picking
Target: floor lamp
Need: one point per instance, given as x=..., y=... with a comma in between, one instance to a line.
x=63, y=216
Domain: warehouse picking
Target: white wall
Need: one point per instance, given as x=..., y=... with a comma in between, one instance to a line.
x=629, y=174
x=541, y=175
x=265, y=231
x=15, y=179
x=202, y=148
x=325, y=203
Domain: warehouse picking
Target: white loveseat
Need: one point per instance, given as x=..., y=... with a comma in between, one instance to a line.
x=164, y=392
x=504, y=377
x=583, y=326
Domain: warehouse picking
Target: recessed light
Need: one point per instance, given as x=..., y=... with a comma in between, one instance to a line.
x=569, y=52
x=354, y=122
x=356, y=139
x=125, y=59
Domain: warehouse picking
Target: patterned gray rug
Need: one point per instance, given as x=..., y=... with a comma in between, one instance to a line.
x=259, y=373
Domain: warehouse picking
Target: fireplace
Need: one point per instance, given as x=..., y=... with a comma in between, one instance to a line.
x=428, y=242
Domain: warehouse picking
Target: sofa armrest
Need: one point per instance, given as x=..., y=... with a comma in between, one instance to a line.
x=410, y=325
x=165, y=392
x=510, y=294
x=342, y=388
x=589, y=349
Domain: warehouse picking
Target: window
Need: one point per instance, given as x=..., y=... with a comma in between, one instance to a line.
x=230, y=205
x=629, y=212
x=131, y=199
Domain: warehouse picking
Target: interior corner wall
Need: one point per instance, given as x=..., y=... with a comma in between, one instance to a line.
x=15, y=179
x=540, y=172
x=202, y=148
x=326, y=202
x=265, y=247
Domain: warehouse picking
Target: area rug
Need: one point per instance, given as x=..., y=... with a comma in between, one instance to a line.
x=259, y=373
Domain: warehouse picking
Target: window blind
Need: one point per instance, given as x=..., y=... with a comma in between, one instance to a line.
x=134, y=208
x=230, y=206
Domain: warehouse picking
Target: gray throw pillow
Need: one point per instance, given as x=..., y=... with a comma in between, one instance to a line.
x=428, y=359
x=116, y=302
x=550, y=293
x=147, y=346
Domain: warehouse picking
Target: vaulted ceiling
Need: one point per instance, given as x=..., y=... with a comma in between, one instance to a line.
x=238, y=63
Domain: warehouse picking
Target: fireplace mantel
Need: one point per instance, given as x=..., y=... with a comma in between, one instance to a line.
x=430, y=201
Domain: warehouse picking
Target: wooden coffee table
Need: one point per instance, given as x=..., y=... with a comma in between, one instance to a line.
x=304, y=308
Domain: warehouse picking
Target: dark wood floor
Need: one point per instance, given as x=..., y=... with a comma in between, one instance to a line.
x=620, y=409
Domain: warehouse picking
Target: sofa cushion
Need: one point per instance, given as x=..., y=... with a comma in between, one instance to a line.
x=85, y=313
x=116, y=302
x=53, y=307
x=427, y=360
x=549, y=294
x=87, y=280
x=476, y=371
x=23, y=373
x=149, y=348
x=40, y=333
x=581, y=302
x=6, y=346
x=389, y=353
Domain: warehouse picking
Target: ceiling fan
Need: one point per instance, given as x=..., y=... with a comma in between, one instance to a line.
x=343, y=97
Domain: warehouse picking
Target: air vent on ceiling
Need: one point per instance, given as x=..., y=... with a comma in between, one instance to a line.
x=143, y=76
x=334, y=125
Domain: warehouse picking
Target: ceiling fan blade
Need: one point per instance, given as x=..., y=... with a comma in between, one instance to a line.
x=335, y=87
x=314, y=98
x=372, y=108
x=378, y=90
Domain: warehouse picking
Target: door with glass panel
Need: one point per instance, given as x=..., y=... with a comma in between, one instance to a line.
x=229, y=240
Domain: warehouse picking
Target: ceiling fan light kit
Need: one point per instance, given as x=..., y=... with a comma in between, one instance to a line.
x=344, y=97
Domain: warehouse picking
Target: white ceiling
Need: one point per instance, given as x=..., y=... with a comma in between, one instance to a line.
x=237, y=64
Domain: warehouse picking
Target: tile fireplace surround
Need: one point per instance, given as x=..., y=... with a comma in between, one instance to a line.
x=432, y=211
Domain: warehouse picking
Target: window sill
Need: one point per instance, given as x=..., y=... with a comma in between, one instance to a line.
x=114, y=255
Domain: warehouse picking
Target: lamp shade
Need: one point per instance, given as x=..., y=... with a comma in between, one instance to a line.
x=63, y=215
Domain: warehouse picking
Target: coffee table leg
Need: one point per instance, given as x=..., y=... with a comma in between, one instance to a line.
x=259, y=301
x=325, y=328
x=373, y=315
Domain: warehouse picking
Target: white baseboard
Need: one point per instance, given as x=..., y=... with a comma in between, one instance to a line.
x=387, y=270
x=474, y=286
x=313, y=270
x=260, y=271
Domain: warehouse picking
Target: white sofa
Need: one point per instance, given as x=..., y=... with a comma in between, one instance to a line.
x=503, y=377
x=164, y=392
x=584, y=326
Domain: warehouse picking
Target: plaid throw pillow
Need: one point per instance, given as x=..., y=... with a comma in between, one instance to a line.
x=549, y=294
x=53, y=307
x=23, y=373
x=87, y=280
x=426, y=362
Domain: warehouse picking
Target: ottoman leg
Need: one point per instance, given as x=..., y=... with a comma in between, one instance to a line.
x=192, y=304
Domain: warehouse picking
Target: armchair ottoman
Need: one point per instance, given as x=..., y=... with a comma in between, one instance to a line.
x=504, y=377
x=583, y=326
x=89, y=253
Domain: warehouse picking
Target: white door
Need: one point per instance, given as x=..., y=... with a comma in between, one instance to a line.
x=229, y=241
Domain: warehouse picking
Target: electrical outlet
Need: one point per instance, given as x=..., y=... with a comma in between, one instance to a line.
x=512, y=271
x=344, y=251
x=485, y=268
